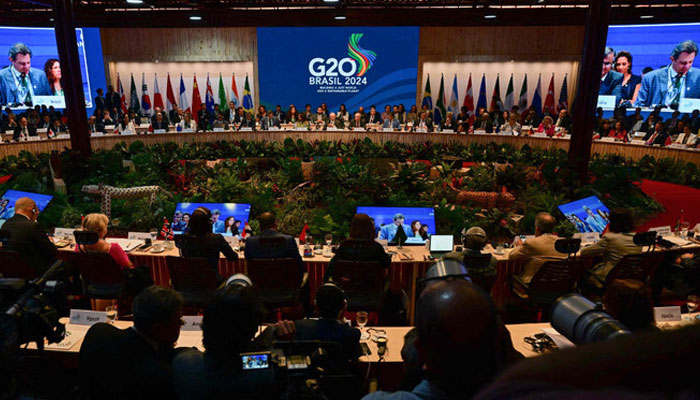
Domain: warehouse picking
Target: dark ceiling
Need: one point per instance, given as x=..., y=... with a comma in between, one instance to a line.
x=174, y=13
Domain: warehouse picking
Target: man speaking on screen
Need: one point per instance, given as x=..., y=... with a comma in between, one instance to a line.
x=389, y=231
x=19, y=82
x=669, y=85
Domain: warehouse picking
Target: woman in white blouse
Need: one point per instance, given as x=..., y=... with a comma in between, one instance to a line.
x=126, y=127
x=186, y=123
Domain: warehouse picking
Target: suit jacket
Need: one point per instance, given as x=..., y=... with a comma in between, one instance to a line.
x=354, y=124
x=97, y=127
x=487, y=126
x=173, y=117
x=159, y=125
x=144, y=371
x=210, y=247
x=565, y=122
x=428, y=124
x=165, y=119
x=612, y=246
x=248, y=123
x=338, y=123
x=612, y=85
x=31, y=131
x=330, y=330
x=100, y=103
x=8, y=87
x=374, y=119
x=393, y=124
x=655, y=84
x=267, y=123
x=254, y=251
x=30, y=241
x=535, y=252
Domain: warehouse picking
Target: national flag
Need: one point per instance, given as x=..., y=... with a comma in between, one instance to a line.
x=166, y=232
x=563, y=96
x=146, y=108
x=427, y=97
x=522, y=100
x=247, y=98
x=122, y=95
x=234, y=92
x=469, y=100
x=549, y=100
x=454, y=102
x=209, y=98
x=246, y=230
x=537, y=98
x=134, y=103
x=302, y=235
x=510, y=96
x=196, y=100
x=496, y=96
x=223, y=103
x=170, y=97
x=184, y=104
x=157, y=98
x=481, y=103
x=439, y=112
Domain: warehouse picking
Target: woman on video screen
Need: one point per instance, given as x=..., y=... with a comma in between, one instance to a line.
x=52, y=68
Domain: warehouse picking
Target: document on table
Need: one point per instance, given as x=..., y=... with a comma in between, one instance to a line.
x=74, y=334
x=126, y=244
x=560, y=340
x=677, y=240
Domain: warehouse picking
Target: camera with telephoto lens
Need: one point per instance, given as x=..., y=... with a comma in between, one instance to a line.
x=582, y=321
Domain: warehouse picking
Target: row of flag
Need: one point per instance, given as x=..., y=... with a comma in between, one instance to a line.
x=442, y=106
x=145, y=107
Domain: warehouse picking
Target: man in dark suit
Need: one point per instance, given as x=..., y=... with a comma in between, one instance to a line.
x=610, y=81
x=23, y=130
x=174, y=115
x=357, y=122
x=423, y=122
x=669, y=85
x=269, y=121
x=112, y=100
x=203, y=119
x=157, y=110
x=279, y=114
x=563, y=120
x=140, y=356
x=331, y=304
x=374, y=117
x=27, y=238
x=107, y=119
x=19, y=82
x=94, y=126
x=230, y=112
x=99, y=100
x=158, y=123
x=268, y=226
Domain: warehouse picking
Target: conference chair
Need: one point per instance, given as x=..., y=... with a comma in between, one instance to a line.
x=364, y=283
x=279, y=282
x=640, y=267
x=103, y=278
x=193, y=278
x=12, y=265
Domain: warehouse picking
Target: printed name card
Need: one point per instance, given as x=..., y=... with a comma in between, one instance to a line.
x=87, y=317
x=139, y=236
x=448, y=131
x=33, y=138
x=96, y=134
x=42, y=130
x=667, y=314
x=247, y=129
x=144, y=125
x=607, y=139
x=662, y=230
x=109, y=127
x=63, y=136
x=192, y=323
x=159, y=131
x=539, y=134
x=188, y=130
x=61, y=233
x=218, y=129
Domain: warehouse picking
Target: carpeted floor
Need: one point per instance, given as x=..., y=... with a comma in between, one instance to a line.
x=674, y=198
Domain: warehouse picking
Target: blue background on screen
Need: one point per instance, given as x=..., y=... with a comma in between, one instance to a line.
x=237, y=211
x=576, y=208
x=12, y=195
x=283, y=64
x=650, y=45
x=385, y=215
x=42, y=42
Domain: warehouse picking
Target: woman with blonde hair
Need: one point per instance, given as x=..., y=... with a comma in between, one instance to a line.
x=97, y=223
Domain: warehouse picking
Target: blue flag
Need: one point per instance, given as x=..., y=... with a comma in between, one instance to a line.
x=481, y=102
x=537, y=98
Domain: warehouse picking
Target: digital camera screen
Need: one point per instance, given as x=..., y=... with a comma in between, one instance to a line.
x=255, y=361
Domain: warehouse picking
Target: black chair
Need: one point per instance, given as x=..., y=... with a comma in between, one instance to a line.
x=279, y=282
x=645, y=239
x=364, y=283
x=12, y=265
x=635, y=266
x=193, y=278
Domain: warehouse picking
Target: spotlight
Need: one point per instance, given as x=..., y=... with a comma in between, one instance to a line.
x=340, y=17
x=490, y=16
x=646, y=16
x=331, y=1
x=134, y=1
x=195, y=18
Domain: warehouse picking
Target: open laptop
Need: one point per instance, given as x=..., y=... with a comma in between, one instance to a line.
x=441, y=245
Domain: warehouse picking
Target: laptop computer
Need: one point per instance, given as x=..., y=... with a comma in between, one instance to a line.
x=441, y=245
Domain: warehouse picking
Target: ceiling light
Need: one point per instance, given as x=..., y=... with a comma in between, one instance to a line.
x=331, y=1
x=134, y=1
x=195, y=18
x=490, y=16
x=340, y=17
x=646, y=16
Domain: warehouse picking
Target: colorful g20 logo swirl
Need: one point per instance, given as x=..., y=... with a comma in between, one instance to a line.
x=365, y=58
x=360, y=61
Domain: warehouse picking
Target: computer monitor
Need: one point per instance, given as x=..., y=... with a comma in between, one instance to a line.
x=587, y=215
x=388, y=219
x=228, y=218
x=7, y=202
x=441, y=243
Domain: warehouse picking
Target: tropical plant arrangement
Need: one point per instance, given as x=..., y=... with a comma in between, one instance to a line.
x=344, y=175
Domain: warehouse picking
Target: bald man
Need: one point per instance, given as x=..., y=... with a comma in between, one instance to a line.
x=461, y=343
x=27, y=238
x=538, y=250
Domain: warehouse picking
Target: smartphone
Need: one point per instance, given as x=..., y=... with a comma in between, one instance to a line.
x=252, y=361
x=365, y=349
x=146, y=245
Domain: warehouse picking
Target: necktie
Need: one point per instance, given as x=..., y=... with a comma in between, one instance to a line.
x=676, y=90
x=25, y=88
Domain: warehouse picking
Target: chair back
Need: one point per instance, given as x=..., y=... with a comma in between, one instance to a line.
x=12, y=265
x=476, y=264
x=554, y=279
x=635, y=266
x=193, y=278
x=84, y=238
x=278, y=280
x=103, y=277
x=364, y=283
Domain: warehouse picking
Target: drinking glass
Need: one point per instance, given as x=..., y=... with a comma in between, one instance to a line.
x=111, y=314
x=329, y=239
x=154, y=235
x=361, y=318
x=685, y=226
x=692, y=303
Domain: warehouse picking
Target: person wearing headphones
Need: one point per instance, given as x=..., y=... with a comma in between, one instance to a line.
x=28, y=238
x=200, y=242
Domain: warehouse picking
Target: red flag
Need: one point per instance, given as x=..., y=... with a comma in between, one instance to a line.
x=234, y=91
x=302, y=235
x=196, y=100
x=166, y=232
x=469, y=101
x=157, y=98
x=170, y=97
x=122, y=96
x=549, y=100
x=246, y=230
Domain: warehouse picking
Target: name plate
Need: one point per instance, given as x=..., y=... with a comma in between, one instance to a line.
x=41, y=130
x=637, y=141
x=109, y=127
x=358, y=129
x=688, y=105
x=127, y=133
x=188, y=130
x=192, y=323
x=607, y=139
x=607, y=102
x=479, y=132
x=33, y=138
x=331, y=128
x=139, y=236
x=159, y=131
x=667, y=314
x=448, y=131
x=87, y=317
x=63, y=136
x=144, y=125
x=588, y=237
x=246, y=129
x=97, y=134
x=567, y=136
x=662, y=230
x=539, y=134
x=218, y=129
x=61, y=233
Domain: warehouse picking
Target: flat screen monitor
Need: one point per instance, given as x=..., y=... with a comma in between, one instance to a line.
x=227, y=218
x=441, y=243
x=7, y=202
x=588, y=215
x=387, y=221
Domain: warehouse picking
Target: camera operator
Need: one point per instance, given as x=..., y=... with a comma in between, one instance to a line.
x=28, y=238
x=229, y=324
x=134, y=363
x=461, y=342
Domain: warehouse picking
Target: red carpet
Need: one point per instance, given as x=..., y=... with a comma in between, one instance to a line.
x=674, y=198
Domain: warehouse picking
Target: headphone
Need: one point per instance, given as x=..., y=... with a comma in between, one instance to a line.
x=204, y=210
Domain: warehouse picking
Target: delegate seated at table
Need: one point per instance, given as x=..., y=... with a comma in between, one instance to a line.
x=538, y=250
x=97, y=223
x=388, y=231
x=669, y=85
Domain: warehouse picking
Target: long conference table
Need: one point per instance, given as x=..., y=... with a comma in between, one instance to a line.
x=634, y=151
